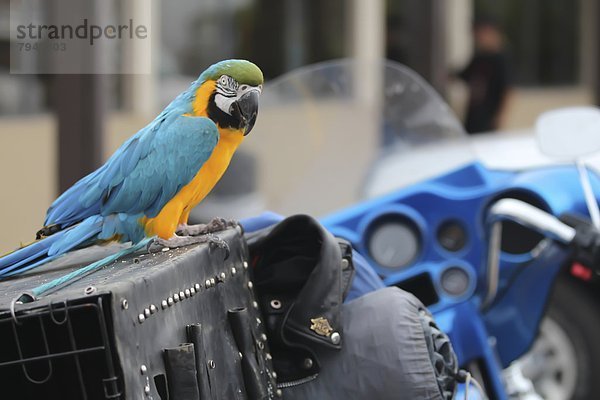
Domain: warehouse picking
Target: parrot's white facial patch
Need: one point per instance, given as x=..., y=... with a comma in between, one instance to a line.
x=228, y=90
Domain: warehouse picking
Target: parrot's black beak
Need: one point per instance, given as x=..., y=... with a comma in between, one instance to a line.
x=246, y=109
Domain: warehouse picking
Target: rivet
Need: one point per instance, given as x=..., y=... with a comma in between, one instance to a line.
x=275, y=304
x=211, y=364
x=260, y=345
x=147, y=312
x=279, y=393
x=258, y=321
x=153, y=309
x=240, y=354
x=192, y=291
x=254, y=304
x=263, y=337
x=245, y=265
x=197, y=287
x=89, y=290
x=250, y=285
x=222, y=275
x=170, y=301
x=308, y=363
x=269, y=356
x=141, y=318
x=147, y=389
x=212, y=281
x=274, y=375
x=176, y=297
x=233, y=271
x=335, y=338
x=187, y=293
x=124, y=304
x=143, y=369
x=181, y=295
x=164, y=304
x=345, y=263
x=207, y=283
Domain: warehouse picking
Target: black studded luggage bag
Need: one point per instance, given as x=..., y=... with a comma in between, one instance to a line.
x=180, y=324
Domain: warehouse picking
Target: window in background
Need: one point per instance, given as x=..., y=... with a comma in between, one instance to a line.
x=278, y=35
x=543, y=38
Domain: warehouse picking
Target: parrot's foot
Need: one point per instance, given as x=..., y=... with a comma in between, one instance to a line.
x=215, y=225
x=159, y=244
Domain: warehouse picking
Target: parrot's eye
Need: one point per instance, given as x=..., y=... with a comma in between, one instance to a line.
x=243, y=87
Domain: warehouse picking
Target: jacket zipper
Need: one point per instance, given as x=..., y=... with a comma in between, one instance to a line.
x=297, y=382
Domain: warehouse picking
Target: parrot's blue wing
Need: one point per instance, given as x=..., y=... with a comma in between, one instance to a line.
x=144, y=174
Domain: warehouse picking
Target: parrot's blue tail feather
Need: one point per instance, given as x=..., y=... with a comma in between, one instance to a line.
x=50, y=248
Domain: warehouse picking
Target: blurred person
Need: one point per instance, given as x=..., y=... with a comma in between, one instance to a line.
x=488, y=78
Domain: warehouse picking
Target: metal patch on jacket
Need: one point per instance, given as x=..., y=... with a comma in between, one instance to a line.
x=321, y=326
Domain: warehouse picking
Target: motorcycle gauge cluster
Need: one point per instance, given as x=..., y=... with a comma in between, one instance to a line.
x=452, y=236
x=394, y=241
x=455, y=281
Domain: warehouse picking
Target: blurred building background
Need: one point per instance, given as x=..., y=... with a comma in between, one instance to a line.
x=54, y=129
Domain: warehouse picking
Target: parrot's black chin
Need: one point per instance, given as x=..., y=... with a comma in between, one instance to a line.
x=245, y=110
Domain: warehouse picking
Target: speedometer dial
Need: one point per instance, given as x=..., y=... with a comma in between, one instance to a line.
x=394, y=242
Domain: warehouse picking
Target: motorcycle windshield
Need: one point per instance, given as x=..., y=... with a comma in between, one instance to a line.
x=333, y=133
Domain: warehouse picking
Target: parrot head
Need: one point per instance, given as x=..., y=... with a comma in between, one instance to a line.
x=233, y=100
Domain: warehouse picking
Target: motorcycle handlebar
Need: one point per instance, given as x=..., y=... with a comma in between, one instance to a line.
x=531, y=217
x=526, y=215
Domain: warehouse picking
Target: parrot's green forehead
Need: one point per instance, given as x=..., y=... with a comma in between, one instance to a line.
x=244, y=72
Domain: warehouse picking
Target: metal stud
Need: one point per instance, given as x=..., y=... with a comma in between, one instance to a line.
x=197, y=287
x=182, y=295
x=275, y=304
x=192, y=291
x=345, y=263
x=260, y=345
x=153, y=309
x=222, y=275
x=212, y=282
x=274, y=375
x=143, y=369
x=176, y=297
x=268, y=356
x=240, y=354
x=258, y=321
x=279, y=393
x=147, y=389
x=124, y=304
x=141, y=318
x=263, y=337
x=245, y=265
x=211, y=364
x=254, y=304
x=335, y=338
x=233, y=271
x=187, y=293
x=164, y=304
x=89, y=290
x=250, y=285
x=207, y=283
x=147, y=312
x=170, y=301
x=308, y=363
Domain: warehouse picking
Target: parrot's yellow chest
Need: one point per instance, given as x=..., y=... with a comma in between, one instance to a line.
x=177, y=210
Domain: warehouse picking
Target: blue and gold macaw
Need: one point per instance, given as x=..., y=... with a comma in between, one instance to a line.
x=151, y=183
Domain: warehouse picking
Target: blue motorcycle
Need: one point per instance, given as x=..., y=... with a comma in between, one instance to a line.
x=377, y=152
